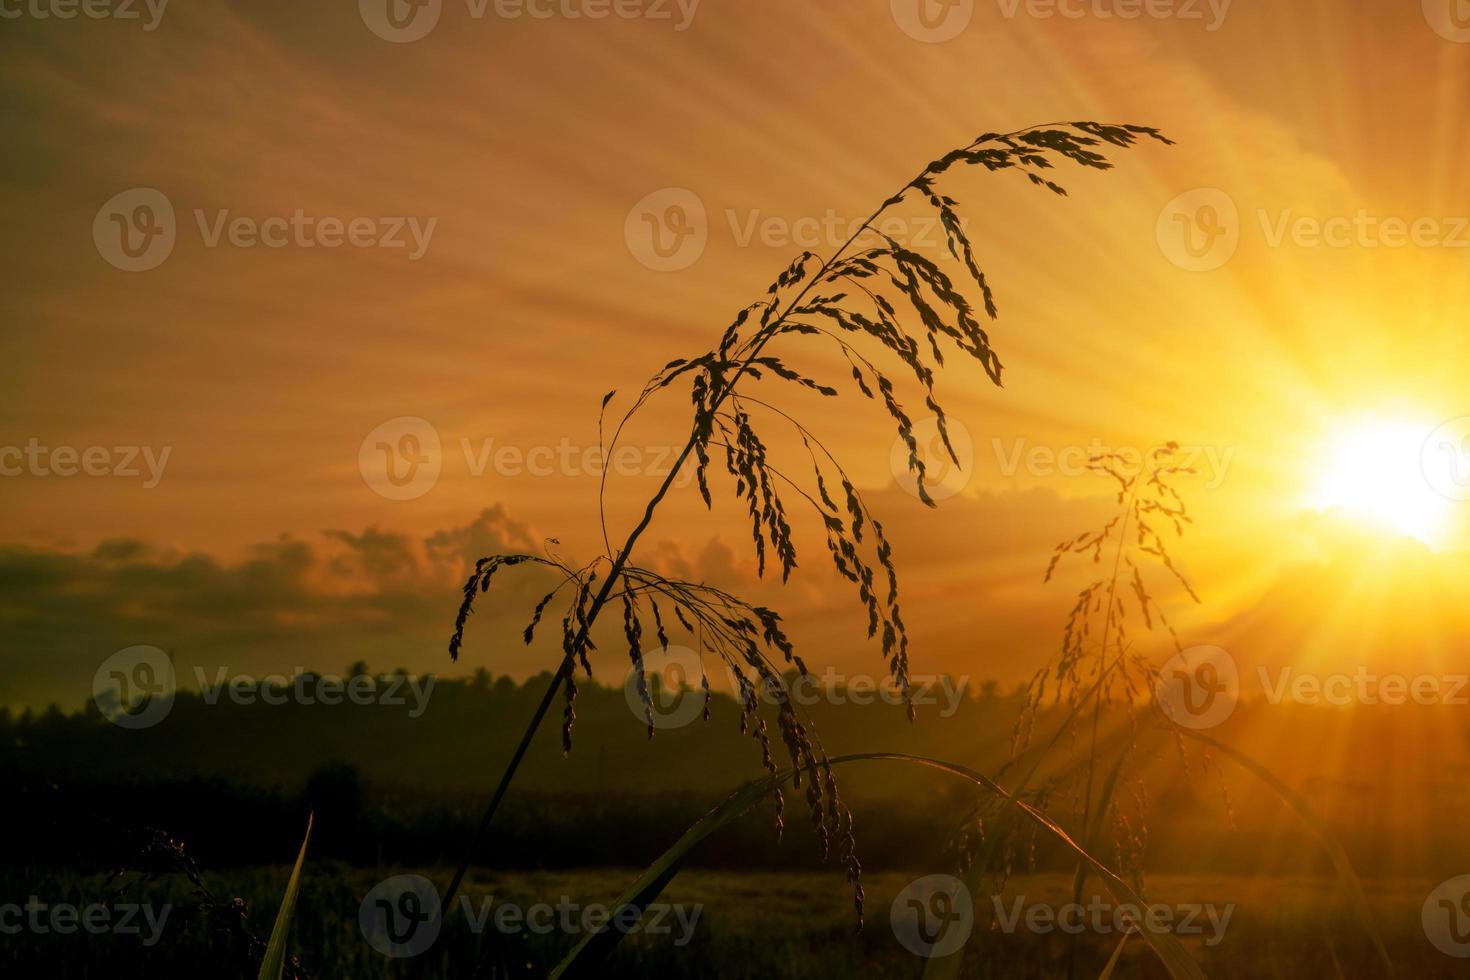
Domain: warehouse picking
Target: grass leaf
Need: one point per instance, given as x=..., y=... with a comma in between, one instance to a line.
x=274, y=963
x=1113, y=960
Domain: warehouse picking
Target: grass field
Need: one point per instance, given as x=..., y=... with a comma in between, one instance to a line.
x=748, y=925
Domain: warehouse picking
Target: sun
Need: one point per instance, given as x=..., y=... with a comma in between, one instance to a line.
x=1371, y=471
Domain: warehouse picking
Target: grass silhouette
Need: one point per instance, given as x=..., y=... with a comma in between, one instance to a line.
x=879, y=303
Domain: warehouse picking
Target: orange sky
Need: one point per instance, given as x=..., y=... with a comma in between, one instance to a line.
x=527, y=142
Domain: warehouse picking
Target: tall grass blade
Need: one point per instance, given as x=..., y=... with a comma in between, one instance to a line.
x=274, y=963
x=583, y=959
x=1113, y=960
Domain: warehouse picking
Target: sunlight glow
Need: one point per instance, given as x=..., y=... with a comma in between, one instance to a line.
x=1371, y=472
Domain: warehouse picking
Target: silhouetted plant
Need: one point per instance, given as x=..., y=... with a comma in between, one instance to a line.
x=160, y=854
x=1103, y=669
x=1096, y=667
x=872, y=295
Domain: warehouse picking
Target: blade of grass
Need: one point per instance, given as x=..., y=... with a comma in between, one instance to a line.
x=274, y=963
x=1113, y=960
x=1298, y=804
x=584, y=957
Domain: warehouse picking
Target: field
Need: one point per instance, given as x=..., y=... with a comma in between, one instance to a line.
x=751, y=925
x=1249, y=888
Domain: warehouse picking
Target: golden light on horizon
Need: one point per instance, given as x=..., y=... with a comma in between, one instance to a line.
x=1370, y=471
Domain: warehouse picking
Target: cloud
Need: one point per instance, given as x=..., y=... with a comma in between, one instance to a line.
x=973, y=598
x=291, y=602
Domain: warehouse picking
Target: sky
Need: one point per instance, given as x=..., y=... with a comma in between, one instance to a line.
x=357, y=246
